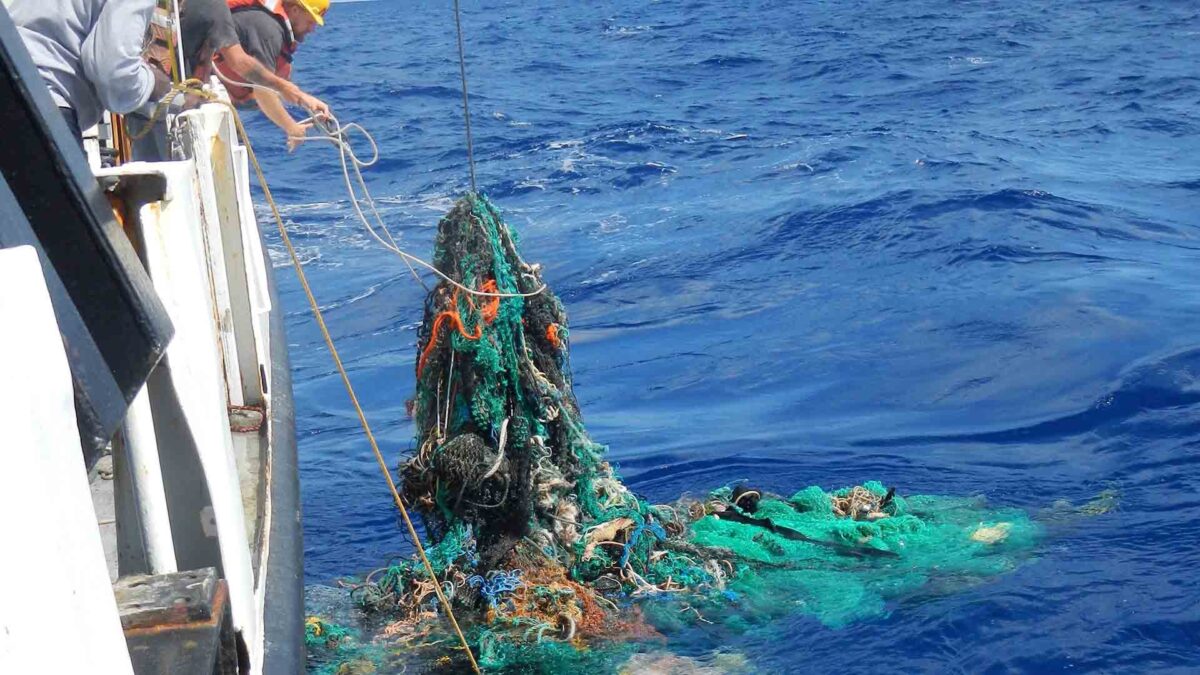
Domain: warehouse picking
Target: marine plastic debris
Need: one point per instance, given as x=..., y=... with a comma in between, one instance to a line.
x=552, y=564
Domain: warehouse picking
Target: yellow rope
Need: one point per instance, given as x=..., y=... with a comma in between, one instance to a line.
x=337, y=360
x=191, y=86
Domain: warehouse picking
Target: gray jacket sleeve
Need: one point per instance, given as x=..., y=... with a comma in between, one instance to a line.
x=112, y=55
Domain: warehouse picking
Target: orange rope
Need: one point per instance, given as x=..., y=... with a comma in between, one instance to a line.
x=341, y=367
x=552, y=335
x=492, y=308
x=487, y=314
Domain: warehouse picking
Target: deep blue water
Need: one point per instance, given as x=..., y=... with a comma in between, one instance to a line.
x=950, y=245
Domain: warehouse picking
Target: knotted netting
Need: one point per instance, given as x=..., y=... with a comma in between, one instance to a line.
x=552, y=564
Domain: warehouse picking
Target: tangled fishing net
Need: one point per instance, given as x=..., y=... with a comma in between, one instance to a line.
x=552, y=564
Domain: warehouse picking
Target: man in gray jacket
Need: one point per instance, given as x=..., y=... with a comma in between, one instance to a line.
x=89, y=52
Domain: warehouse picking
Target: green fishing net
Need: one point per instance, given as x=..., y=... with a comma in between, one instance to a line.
x=947, y=542
x=553, y=565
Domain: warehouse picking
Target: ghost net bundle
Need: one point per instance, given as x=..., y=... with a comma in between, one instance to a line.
x=546, y=555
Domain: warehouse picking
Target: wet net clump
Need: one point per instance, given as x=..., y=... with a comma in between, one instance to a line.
x=552, y=564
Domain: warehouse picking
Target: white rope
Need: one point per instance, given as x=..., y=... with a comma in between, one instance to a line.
x=336, y=133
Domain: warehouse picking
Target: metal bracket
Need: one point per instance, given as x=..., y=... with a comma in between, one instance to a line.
x=178, y=624
x=246, y=418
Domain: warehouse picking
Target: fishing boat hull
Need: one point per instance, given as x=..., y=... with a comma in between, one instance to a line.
x=146, y=397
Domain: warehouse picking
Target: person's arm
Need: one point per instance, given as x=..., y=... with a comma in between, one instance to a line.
x=269, y=103
x=255, y=73
x=111, y=57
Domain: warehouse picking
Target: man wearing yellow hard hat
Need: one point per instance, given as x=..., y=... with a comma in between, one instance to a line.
x=271, y=31
x=207, y=30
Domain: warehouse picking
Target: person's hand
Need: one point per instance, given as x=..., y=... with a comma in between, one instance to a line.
x=192, y=101
x=314, y=105
x=296, y=133
x=162, y=85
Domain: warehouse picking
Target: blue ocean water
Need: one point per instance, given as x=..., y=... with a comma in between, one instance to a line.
x=948, y=245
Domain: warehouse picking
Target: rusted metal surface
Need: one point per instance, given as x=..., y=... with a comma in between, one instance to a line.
x=239, y=274
x=246, y=418
x=188, y=393
x=178, y=624
x=180, y=597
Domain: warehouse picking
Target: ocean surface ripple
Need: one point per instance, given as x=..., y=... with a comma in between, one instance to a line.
x=952, y=246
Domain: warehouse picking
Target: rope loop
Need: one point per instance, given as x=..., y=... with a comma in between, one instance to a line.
x=190, y=87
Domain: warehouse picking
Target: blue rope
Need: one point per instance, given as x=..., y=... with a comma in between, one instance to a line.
x=636, y=536
x=497, y=583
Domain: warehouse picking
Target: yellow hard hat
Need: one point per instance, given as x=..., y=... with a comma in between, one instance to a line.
x=317, y=8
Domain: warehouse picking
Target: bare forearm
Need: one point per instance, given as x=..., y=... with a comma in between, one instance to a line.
x=272, y=107
x=256, y=73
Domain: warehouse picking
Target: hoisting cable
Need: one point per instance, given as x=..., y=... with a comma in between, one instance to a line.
x=349, y=389
x=362, y=417
x=332, y=131
x=188, y=87
x=462, y=69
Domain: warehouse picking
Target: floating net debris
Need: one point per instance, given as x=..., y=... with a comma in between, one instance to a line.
x=553, y=565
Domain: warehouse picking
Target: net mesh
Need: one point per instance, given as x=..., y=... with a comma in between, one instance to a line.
x=553, y=564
